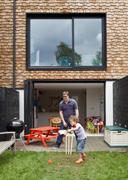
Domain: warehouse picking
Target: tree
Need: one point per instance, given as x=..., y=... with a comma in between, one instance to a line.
x=97, y=61
x=65, y=57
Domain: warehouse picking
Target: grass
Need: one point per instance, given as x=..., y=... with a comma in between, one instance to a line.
x=34, y=166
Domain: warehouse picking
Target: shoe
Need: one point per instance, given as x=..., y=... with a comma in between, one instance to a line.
x=79, y=161
x=84, y=156
x=57, y=145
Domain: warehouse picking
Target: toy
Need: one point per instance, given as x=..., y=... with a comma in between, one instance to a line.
x=50, y=161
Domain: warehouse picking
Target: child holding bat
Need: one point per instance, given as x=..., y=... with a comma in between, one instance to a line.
x=80, y=137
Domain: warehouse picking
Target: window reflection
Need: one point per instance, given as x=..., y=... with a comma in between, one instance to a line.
x=88, y=41
x=65, y=56
x=62, y=43
x=46, y=35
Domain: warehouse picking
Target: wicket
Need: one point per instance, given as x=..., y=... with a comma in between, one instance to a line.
x=69, y=139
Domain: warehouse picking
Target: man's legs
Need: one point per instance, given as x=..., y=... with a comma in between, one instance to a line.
x=60, y=137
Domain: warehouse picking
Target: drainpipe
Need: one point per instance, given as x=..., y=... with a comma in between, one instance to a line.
x=14, y=44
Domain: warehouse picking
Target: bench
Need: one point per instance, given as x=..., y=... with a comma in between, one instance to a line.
x=38, y=136
x=7, y=140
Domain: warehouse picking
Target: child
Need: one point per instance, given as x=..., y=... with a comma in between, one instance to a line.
x=80, y=137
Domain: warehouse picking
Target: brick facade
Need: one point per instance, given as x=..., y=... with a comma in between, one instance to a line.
x=117, y=38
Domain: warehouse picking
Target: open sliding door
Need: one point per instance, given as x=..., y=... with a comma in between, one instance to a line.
x=120, y=102
x=28, y=105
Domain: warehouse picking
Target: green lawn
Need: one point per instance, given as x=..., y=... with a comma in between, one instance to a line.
x=34, y=166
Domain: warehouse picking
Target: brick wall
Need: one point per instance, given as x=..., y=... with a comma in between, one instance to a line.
x=117, y=38
x=6, y=56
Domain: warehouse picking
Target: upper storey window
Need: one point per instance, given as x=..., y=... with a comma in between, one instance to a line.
x=66, y=41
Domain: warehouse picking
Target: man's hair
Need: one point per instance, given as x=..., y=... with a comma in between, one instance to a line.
x=65, y=93
x=74, y=119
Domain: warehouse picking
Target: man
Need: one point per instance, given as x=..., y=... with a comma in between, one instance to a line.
x=67, y=107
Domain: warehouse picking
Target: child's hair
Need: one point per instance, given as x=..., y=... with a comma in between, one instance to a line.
x=74, y=119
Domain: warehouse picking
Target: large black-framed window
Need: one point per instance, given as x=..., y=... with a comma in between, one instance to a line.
x=66, y=41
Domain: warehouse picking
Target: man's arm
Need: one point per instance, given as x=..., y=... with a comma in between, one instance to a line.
x=76, y=109
x=62, y=118
x=77, y=113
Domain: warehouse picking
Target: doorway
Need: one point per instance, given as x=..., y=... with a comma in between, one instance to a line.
x=46, y=95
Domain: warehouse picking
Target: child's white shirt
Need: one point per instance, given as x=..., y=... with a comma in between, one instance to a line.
x=79, y=131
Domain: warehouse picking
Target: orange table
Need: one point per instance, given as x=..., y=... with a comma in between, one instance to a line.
x=42, y=133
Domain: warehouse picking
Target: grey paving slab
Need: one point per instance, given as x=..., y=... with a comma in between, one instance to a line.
x=92, y=144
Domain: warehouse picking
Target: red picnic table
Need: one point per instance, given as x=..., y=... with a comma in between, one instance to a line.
x=43, y=134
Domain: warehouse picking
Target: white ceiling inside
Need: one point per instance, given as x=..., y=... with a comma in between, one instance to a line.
x=67, y=86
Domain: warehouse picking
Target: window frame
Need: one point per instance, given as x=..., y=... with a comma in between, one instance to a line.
x=71, y=16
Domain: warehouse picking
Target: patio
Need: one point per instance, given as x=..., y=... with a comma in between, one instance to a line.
x=94, y=143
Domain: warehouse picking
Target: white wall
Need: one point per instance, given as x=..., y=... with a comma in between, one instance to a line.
x=109, y=102
x=93, y=101
x=21, y=104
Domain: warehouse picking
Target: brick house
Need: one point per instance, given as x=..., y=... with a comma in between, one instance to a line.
x=49, y=46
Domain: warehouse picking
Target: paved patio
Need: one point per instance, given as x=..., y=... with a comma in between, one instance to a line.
x=94, y=143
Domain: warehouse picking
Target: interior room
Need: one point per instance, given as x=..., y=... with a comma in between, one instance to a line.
x=89, y=96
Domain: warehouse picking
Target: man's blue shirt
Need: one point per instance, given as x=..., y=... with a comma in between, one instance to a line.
x=68, y=108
